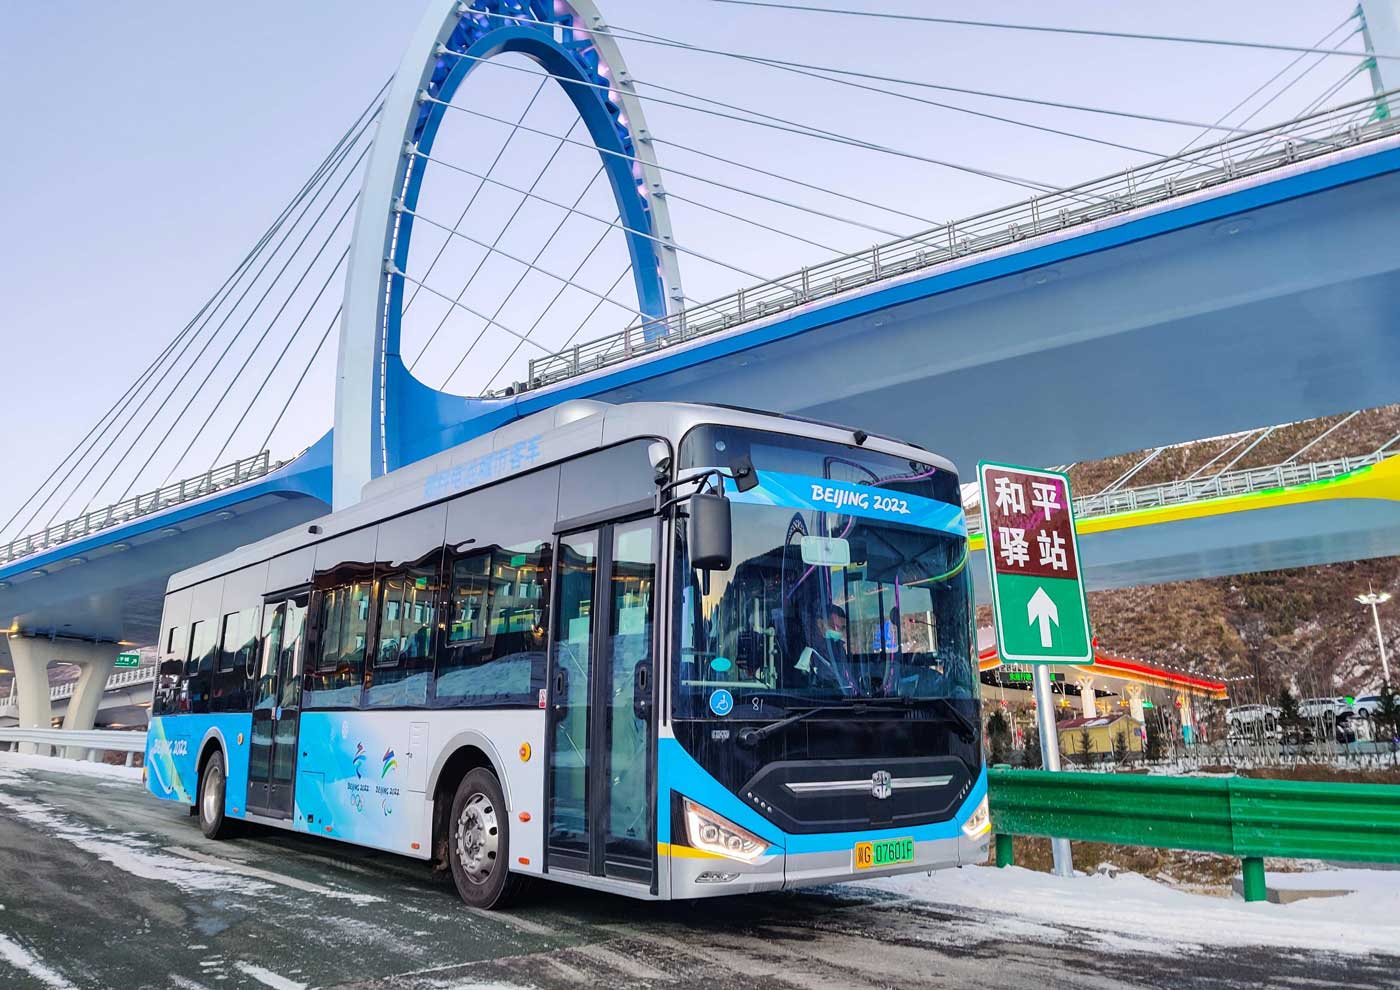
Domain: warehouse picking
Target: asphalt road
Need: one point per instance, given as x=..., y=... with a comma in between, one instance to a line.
x=102, y=886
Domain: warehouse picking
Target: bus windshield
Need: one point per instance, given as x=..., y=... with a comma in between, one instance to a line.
x=848, y=585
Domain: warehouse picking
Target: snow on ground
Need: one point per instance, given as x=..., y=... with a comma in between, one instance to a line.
x=22, y=959
x=1130, y=911
x=58, y=764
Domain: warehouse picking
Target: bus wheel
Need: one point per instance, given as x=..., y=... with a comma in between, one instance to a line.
x=211, y=799
x=479, y=842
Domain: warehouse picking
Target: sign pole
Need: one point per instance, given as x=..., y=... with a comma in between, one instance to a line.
x=1039, y=609
x=1050, y=758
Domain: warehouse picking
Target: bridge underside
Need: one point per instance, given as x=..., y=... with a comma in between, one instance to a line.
x=110, y=586
x=1244, y=310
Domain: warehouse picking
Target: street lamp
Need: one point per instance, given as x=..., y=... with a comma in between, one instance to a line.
x=1372, y=599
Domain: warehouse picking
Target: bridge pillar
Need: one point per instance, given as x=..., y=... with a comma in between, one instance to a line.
x=32, y=656
x=1088, y=700
x=87, y=696
x=31, y=688
x=1381, y=26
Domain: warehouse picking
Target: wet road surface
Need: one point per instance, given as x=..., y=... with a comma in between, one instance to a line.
x=102, y=886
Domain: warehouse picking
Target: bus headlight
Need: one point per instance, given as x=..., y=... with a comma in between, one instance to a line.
x=713, y=833
x=979, y=822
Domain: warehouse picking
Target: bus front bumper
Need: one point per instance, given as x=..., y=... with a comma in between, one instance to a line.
x=707, y=875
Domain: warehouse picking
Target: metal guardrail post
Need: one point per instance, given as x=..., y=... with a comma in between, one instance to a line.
x=1252, y=870
x=1005, y=850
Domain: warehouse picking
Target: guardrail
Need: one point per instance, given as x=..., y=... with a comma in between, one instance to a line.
x=1146, y=185
x=213, y=480
x=93, y=741
x=1235, y=816
x=1241, y=482
x=120, y=679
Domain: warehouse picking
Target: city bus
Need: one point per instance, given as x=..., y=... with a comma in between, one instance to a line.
x=665, y=650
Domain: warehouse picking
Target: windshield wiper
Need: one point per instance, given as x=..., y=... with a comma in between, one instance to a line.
x=967, y=729
x=749, y=738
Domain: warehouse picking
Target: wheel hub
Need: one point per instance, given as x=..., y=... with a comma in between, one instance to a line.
x=478, y=838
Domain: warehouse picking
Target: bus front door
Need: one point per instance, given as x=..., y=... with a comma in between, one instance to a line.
x=272, y=751
x=601, y=702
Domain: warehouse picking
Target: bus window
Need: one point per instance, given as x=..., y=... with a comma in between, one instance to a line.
x=342, y=624
x=199, y=668
x=170, y=677
x=403, y=658
x=495, y=649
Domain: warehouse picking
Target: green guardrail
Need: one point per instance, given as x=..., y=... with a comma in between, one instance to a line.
x=1236, y=816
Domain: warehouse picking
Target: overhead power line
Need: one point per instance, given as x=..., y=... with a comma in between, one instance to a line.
x=1050, y=29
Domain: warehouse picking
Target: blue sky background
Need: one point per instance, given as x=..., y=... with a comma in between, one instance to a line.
x=146, y=145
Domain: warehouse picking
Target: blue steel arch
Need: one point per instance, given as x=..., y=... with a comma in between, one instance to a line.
x=406, y=419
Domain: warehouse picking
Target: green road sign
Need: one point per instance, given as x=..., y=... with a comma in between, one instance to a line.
x=128, y=660
x=1038, y=603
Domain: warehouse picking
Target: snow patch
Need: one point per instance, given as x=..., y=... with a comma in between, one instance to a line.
x=26, y=962
x=268, y=978
x=81, y=768
x=1130, y=911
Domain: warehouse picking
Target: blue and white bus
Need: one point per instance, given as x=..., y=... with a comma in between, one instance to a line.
x=659, y=649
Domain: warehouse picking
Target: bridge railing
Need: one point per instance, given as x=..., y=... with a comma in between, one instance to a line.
x=119, y=680
x=211, y=481
x=1100, y=199
x=1232, y=483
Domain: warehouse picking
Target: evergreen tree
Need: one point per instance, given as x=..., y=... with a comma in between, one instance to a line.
x=1120, y=747
x=1032, y=757
x=999, y=737
x=1387, y=714
x=1290, y=719
x=1086, y=745
x=1153, y=748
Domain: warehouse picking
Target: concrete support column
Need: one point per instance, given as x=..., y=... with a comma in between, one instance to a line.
x=1135, y=704
x=1088, y=700
x=31, y=687
x=87, y=696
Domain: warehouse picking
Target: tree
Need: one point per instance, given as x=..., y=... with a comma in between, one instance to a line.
x=1086, y=745
x=1120, y=746
x=1290, y=718
x=1153, y=748
x=999, y=737
x=1387, y=714
x=1032, y=755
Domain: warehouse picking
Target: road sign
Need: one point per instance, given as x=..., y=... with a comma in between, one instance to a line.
x=128, y=660
x=1038, y=603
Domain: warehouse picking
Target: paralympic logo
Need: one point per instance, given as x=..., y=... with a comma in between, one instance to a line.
x=389, y=763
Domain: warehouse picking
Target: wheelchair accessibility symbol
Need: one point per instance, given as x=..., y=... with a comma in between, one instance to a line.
x=721, y=702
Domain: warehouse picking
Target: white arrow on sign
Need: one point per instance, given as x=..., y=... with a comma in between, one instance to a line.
x=1041, y=608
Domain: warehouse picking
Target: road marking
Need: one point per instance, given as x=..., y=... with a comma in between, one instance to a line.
x=268, y=978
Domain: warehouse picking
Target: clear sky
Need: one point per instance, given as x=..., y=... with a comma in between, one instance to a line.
x=147, y=145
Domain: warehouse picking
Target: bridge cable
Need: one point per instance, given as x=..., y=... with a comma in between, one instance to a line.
x=257, y=347
x=285, y=237
x=1241, y=455
x=1321, y=436
x=505, y=300
x=335, y=319
x=1050, y=29
x=291, y=338
x=557, y=294
x=215, y=300
x=595, y=219
x=755, y=223
x=802, y=130
x=646, y=38
x=998, y=118
x=520, y=261
x=472, y=201
x=484, y=179
x=1242, y=438
x=286, y=264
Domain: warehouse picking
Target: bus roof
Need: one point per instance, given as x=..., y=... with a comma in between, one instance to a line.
x=535, y=441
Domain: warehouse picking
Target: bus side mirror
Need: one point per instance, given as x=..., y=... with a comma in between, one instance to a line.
x=708, y=532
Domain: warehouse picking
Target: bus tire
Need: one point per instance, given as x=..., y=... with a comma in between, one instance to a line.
x=478, y=842
x=213, y=783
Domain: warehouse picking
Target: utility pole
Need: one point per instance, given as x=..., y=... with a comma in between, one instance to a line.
x=1380, y=31
x=1372, y=599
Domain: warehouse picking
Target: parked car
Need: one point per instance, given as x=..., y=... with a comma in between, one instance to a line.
x=1367, y=705
x=1252, y=720
x=1324, y=707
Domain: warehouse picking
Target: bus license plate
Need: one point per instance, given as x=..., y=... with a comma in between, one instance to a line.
x=885, y=852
